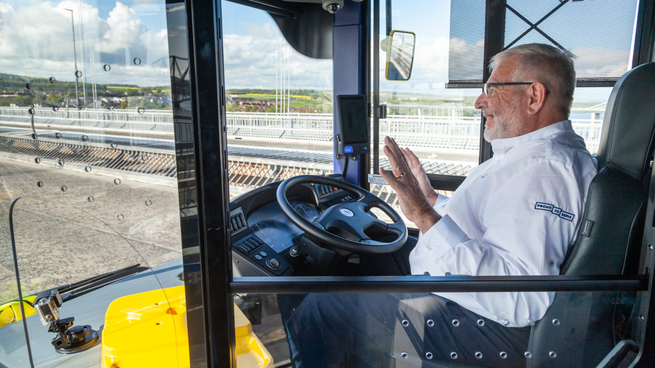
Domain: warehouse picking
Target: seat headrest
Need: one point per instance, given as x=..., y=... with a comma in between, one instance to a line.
x=626, y=138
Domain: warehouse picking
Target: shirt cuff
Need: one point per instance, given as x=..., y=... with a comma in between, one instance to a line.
x=444, y=235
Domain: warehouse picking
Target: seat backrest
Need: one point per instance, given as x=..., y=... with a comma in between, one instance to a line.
x=578, y=329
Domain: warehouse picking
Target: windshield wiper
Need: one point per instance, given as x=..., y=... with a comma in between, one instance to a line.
x=79, y=288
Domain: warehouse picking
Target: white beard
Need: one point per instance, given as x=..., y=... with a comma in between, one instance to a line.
x=505, y=125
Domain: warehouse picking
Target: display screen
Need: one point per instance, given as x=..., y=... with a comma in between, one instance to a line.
x=353, y=118
x=271, y=225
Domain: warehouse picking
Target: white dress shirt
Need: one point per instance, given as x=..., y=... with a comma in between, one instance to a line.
x=515, y=214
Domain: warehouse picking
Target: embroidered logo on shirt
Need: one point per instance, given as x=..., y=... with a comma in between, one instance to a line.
x=554, y=210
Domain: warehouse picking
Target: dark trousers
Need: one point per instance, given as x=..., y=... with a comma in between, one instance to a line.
x=396, y=330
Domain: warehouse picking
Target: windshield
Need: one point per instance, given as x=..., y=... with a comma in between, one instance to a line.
x=63, y=247
x=90, y=179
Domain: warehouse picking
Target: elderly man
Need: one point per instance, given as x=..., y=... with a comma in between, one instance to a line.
x=515, y=214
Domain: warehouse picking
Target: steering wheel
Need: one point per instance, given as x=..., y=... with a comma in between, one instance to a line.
x=350, y=219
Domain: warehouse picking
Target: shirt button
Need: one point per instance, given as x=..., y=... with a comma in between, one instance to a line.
x=504, y=322
x=530, y=321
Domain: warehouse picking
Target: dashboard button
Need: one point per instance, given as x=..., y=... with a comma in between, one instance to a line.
x=273, y=263
x=258, y=257
x=263, y=254
x=294, y=251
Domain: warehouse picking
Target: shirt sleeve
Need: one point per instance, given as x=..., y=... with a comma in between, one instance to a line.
x=440, y=204
x=517, y=238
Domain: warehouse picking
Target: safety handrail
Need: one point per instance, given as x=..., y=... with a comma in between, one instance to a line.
x=443, y=284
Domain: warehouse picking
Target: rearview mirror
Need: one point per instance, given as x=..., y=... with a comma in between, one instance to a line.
x=400, y=55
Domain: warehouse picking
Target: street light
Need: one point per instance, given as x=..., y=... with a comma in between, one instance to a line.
x=77, y=78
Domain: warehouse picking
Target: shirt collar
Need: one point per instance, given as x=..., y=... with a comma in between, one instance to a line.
x=501, y=146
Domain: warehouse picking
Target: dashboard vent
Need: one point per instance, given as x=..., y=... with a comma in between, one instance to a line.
x=237, y=221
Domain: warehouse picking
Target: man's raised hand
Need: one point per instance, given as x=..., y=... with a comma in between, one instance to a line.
x=413, y=202
x=416, y=168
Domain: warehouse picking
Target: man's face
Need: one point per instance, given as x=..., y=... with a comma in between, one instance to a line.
x=502, y=108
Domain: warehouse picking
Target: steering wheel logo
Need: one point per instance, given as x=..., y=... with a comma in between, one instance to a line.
x=346, y=212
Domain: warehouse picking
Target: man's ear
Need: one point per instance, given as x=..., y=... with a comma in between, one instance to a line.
x=536, y=97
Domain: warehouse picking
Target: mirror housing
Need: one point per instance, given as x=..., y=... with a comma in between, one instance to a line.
x=400, y=55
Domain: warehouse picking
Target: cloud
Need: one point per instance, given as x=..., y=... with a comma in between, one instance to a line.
x=139, y=2
x=37, y=41
x=123, y=24
x=144, y=10
x=600, y=63
x=466, y=59
x=266, y=30
x=251, y=62
x=431, y=60
x=434, y=59
x=5, y=8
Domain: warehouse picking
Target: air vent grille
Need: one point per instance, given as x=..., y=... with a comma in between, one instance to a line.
x=237, y=222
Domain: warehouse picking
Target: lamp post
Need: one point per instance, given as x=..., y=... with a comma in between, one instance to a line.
x=77, y=78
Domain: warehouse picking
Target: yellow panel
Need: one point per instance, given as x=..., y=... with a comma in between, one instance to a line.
x=10, y=312
x=149, y=329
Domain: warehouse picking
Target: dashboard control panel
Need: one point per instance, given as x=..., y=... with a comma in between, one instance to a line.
x=325, y=190
x=266, y=242
x=260, y=253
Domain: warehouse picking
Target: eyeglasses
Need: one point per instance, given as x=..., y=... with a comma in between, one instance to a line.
x=487, y=90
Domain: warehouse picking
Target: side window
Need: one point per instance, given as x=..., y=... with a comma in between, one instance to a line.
x=438, y=123
x=602, y=50
x=279, y=103
x=429, y=113
x=588, y=113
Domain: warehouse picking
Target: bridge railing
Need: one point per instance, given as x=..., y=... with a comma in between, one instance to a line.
x=446, y=131
x=146, y=116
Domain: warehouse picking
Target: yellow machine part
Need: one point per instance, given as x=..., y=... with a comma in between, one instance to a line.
x=149, y=330
x=10, y=312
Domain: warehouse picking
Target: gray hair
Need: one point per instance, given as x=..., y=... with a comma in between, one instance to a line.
x=546, y=64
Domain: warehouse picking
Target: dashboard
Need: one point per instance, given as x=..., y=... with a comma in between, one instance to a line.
x=271, y=225
x=266, y=243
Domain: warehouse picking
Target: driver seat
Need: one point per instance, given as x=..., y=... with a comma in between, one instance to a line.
x=578, y=329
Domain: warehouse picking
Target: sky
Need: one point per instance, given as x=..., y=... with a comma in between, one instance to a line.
x=131, y=37
x=36, y=40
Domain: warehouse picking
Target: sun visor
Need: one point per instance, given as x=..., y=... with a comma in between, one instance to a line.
x=309, y=33
x=466, y=50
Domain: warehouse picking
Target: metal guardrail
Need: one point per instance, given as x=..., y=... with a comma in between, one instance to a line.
x=249, y=167
x=144, y=116
x=447, y=131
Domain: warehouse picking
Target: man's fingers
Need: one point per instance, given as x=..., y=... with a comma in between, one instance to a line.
x=400, y=163
x=389, y=178
x=411, y=159
x=392, y=159
x=411, y=156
